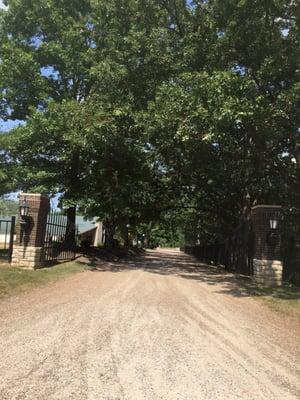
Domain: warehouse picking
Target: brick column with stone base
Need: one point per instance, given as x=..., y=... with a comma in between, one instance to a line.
x=28, y=249
x=267, y=264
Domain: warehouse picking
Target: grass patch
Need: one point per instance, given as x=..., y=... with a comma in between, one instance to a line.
x=285, y=299
x=14, y=280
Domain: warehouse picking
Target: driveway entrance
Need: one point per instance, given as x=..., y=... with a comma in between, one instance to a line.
x=161, y=327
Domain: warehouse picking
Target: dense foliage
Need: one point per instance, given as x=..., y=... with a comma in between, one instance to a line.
x=159, y=114
x=8, y=207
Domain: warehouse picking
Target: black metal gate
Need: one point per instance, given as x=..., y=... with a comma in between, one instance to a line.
x=239, y=249
x=58, y=245
x=290, y=234
x=7, y=232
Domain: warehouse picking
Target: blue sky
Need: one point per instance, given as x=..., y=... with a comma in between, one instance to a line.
x=8, y=125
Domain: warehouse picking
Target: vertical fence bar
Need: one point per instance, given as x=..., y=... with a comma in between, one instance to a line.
x=1, y=234
x=11, y=237
x=46, y=239
x=1, y=229
x=6, y=234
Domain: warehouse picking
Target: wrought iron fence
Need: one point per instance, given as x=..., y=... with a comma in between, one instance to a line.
x=235, y=254
x=290, y=234
x=7, y=232
x=59, y=242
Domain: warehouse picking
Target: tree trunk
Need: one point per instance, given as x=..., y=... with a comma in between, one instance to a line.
x=71, y=225
x=126, y=239
x=109, y=234
x=71, y=194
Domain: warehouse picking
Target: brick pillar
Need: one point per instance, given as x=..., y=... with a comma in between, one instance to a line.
x=28, y=248
x=267, y=263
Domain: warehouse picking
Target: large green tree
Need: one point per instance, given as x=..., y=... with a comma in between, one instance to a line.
x=227, y=124
x=78, y=73
x=135, y=109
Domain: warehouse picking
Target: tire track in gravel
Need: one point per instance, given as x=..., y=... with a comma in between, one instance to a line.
x=225, y=309
x=101, y=367
x=48, y=360
x=243, y=349
x=219, y=315
x=255, y=357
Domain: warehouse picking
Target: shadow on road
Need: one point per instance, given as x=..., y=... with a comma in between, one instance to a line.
x=168, y=262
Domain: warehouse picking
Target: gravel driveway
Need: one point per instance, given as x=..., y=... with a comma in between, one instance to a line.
x=163, y=327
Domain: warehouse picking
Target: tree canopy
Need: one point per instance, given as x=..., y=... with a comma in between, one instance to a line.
x=146, y=112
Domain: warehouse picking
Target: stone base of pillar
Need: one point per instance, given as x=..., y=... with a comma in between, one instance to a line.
x=27, y=257
x=267, y=273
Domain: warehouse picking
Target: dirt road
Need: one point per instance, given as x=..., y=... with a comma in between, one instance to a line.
x=163, y=327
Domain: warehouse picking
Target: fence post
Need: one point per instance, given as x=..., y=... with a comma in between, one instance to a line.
x=30, y=235
x=267, y=262
x=11, y=237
